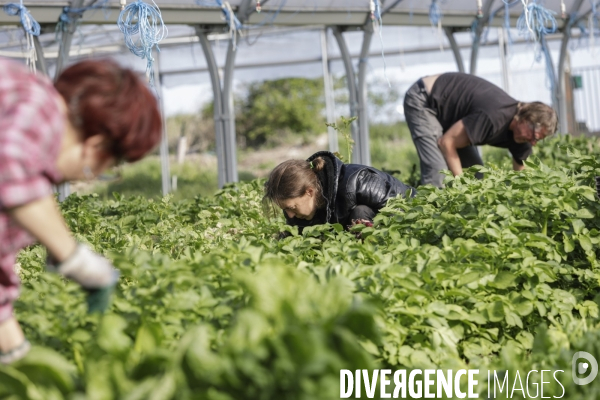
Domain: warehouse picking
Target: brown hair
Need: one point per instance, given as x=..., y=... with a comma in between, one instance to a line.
x=105, y=98
x=292, y=179
x=540, y=114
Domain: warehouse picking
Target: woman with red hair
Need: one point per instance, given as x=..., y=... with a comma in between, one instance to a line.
x=95, y=115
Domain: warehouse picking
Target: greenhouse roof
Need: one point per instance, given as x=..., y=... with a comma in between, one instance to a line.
x=456, y=13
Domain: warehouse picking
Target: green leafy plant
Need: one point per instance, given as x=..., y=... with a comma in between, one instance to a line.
x=500, y=273
x=344, y=128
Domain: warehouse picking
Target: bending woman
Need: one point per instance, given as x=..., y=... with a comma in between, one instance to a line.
x=323, y=189
x=95, y=115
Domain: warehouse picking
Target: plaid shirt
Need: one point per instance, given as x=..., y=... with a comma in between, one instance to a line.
x=31, y=128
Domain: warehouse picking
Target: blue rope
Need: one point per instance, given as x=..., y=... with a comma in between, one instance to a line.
x=507, y=7
x=435, y=13
x=145, y=20
x=534, y=22
x=30, y=25
x=549, y=67
x=595, y=18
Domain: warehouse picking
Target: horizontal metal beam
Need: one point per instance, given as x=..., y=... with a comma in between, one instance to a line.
x=195, y=15
x=318, y=59
x=182, y=40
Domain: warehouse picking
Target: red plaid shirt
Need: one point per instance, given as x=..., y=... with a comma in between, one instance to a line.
x=31, y=129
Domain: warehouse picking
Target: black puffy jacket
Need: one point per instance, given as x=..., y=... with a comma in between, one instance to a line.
x=346, y=186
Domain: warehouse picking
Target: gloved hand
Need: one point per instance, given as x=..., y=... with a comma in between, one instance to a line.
x=94, y=273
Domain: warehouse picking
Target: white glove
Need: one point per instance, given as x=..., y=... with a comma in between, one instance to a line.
x=89, y=269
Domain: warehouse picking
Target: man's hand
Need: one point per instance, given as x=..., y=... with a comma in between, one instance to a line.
x=455, y=138
x=517, y=166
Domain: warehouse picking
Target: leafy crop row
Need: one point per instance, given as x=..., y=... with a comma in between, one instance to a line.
x=498, y=274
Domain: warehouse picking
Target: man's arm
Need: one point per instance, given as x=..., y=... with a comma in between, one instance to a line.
x=517, y=166
x=455, y=138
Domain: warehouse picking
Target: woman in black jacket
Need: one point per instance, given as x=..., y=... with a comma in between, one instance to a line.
x=323, y=189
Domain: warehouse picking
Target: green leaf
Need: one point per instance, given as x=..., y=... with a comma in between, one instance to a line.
x=495, y=311
x=504, y=280
x=585, y=243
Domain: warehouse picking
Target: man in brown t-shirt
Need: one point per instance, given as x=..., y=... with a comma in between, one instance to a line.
x=450, y=114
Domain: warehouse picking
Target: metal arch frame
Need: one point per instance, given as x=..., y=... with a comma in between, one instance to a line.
x=165, y=168
x=64, y=189
x=224, y=113
x=328, y=91
x=477, y=39
x=351, y=81
x=560, y=88
x=213, y=71
x=40, y=60
x=357, y=87
x=362, y=154
x=455, y=49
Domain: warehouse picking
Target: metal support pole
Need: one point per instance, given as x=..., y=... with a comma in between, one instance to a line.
x=231, y=174
x=164, y=141
x=64, y=47
x=66, y=38
x=477, y=39
x=328, y=90
x=351, y=81
x=224, y=112
x=503, y=53
x=455, y=49
x=40, y=62
x=559, y=94
x=550, y=68
x=362, y=150
x=213, y=71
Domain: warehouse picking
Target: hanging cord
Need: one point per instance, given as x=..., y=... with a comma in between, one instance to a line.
x=31, y=28
x=378, y=28
x=535, y=23
x=435, y=17
x=435, y=13
x=593, y=22
x=145, y=20
x=507, y=6
x=232, y=21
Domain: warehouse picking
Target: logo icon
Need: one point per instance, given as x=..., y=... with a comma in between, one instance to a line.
x=583, y=367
